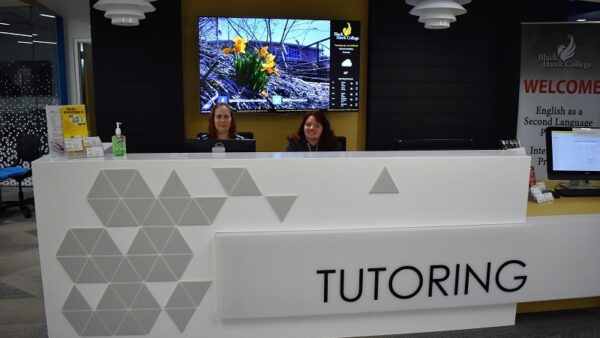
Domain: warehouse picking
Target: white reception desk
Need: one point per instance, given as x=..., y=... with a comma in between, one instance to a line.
x=299, y=244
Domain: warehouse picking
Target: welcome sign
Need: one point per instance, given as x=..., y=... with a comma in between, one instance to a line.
x=560, y=83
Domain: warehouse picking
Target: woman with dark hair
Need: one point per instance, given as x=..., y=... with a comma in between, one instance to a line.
x=314, y=134
x=221, y=124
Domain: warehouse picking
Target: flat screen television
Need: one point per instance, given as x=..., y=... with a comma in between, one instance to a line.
x=573, y=154
x=279, y=65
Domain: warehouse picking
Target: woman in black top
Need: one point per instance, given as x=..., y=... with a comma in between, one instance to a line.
x=314, y=134
x=221, y=124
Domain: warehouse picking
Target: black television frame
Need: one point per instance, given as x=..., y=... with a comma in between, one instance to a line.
x=356, y=24
x=572, y=175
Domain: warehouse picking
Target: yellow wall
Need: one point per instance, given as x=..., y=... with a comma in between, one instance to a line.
x=271, y=130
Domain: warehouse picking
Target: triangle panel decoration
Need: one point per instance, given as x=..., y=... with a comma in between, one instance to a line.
x=176, y=206
x=281, y=205
x=119, y=178
x=138, y=188
x=87, y=237
x=139, y=207
x=211, y=206
x=181, y=317
x=102, y=188
x=245, y=186
x=75, y=301
x=196, y=290
x=174, y=187
x=71, y=247
x=228, y=177
x=103, y=207
x=91, y=273
x=122, y=217
x=158, y=216
x=106, y=246
x=177, y=245
x=384, y=184
x=193, y=215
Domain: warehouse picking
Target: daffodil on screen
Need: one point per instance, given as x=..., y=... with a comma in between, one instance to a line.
x=252, y=70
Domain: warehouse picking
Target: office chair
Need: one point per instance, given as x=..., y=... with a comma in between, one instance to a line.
x=28, y=150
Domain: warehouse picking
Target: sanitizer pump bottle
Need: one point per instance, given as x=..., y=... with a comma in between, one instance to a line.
x=119, y=146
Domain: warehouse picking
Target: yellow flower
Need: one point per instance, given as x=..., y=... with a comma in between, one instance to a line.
x=239, y=44
x=264, y=51
x=227, y=51
x=276, y=72
x=264, y=93
x=269, y=58
x=268, y=67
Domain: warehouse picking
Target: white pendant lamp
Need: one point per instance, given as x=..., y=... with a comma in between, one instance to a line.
x=437, y=14
x=125, y=12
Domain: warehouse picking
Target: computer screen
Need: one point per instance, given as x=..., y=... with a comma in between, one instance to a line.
x=231, y=146
x=573, y=153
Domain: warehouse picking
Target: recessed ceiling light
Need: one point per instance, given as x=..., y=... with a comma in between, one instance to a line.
x=48, y=16
x=581, y=20
x=4, y=24
x=15, y=34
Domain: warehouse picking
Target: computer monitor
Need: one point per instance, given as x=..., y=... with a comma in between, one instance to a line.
x=573, y=154
x=231, y=146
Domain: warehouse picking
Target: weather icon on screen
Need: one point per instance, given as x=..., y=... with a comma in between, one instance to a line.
x=347, y=63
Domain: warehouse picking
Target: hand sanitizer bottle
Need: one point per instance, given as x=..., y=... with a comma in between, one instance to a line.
x=119, y=146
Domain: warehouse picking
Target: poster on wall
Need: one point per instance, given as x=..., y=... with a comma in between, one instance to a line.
x=560, y=83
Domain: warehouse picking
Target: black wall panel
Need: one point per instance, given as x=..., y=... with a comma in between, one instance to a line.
x=461, y=82
x=138, y=78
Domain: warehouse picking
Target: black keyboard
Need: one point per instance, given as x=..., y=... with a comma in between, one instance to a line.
x=584, y=192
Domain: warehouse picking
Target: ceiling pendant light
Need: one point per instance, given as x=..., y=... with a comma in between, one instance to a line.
x=437, y=14
x=125, y=12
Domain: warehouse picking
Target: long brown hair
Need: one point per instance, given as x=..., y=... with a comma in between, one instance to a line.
x=327, y=141
x=212, y=129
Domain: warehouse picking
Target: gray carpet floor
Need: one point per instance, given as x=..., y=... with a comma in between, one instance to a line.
x=22, y=303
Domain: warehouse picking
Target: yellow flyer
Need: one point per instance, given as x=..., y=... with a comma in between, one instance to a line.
x=74, y=121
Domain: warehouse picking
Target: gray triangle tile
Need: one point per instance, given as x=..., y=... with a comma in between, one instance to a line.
x=176, y=244
x=145, y=300
x=127, y=291
x=96, y=327
x=110, y=300
x=138, y=187
x=90, y=273
x=384, y=184
x=121, y=217
x=78, y=319
x=158, y=216
x=139, y=207
x=161, y=272
x=146, y=318
x=211, y=206
x=103, y=208
x=75, y=301
x=129, y=326
x=112, y=319
x=72, y=265
x=246, y=186
x=181, y=317
x=143, y=264
x=159, y=235
x=196, y=290
x=142, y=245
x=228, y=177
x=178, y=263
x=175, y=206
x=107, y=264
x=126, y=273
x=102, y=188
x=180, y=299
x=70, y=246
x=193, y=215
x=119, y=178
x=87, y=237
x=106, y=246
x=281, y=205
x=174, y=187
